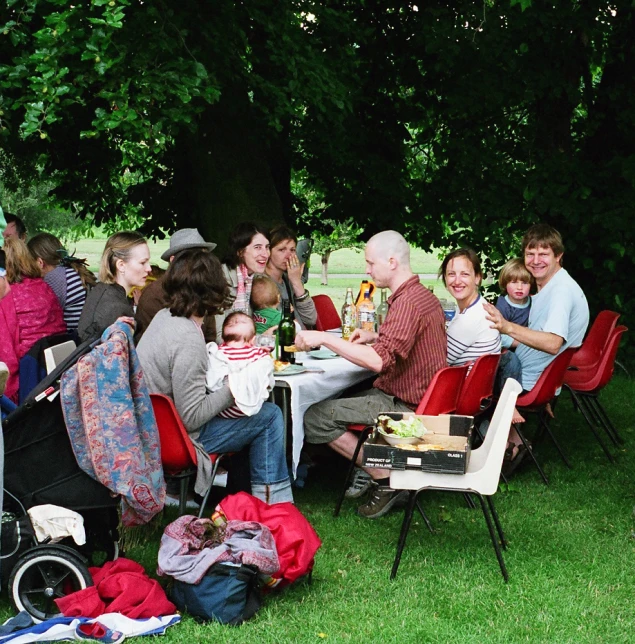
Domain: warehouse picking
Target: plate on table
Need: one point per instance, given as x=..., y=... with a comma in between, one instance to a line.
x=291, y=370
x=323, y=354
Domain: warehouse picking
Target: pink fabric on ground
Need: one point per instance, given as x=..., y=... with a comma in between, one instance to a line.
x=121, y=586
x=296, y=540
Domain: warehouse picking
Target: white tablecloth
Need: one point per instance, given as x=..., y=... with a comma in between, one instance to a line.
x=309, y=388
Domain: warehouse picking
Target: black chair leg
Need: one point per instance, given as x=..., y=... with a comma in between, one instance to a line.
x=183, y=488
x=211, y=484
x=469, y=501
x=497, y=522
x=545, y=423
x=532, y=455
x=493, y=536
x=424, y=516
x=582, y=406
x=588, y=402
x=360, y=441
x=405, y=526
x=606, y=420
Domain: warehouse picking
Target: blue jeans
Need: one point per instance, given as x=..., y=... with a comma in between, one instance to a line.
x=6, y=406
x=264, y=433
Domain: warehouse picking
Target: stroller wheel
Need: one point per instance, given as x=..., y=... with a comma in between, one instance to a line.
x=44, y=574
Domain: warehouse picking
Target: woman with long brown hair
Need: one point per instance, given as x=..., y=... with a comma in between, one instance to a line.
x=174, y=358
x=68, y=276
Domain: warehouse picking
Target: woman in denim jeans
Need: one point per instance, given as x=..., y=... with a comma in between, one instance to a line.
x=174, y=359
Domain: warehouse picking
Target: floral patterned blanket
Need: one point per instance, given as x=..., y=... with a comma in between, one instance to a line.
x=111, y=425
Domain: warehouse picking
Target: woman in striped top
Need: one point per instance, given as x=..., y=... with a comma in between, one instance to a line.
x=469, y=333
x=68, y=276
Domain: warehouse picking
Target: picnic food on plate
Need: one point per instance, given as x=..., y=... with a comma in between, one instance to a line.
x=410, y=427
x=280, y=365
x=291, y=348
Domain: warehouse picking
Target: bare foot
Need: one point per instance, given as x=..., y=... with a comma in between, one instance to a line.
x=517, y=418
x=549, y=410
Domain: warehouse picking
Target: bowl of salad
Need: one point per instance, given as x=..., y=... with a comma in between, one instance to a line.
x=408, y=431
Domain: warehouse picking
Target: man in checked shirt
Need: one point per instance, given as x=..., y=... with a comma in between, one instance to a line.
x=406, y=353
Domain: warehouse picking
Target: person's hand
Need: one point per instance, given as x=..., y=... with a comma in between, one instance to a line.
x=361, y=336
x=294, y=272
x=495, y=317
x=306, y=340
x=271, y=330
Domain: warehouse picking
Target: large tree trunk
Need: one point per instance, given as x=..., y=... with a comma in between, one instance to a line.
x=224, y=173
x=325, y=267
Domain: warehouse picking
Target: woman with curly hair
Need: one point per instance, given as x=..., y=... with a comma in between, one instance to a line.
x=174, y=358
x=68, y=276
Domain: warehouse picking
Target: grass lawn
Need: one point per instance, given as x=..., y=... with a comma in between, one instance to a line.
x=571, y=558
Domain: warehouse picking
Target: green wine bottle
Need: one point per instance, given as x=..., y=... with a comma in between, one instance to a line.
x=286, y=333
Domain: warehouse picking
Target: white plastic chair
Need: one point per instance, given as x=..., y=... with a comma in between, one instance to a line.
x=481, y=478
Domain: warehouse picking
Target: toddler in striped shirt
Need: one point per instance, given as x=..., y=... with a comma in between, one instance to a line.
x=249, y=369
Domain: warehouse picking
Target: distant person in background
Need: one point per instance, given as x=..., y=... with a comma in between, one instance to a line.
x=28, y=312
x=153, y=298
x=68, y=276
x=125, y=264
x=285, y=269
x=14, y=228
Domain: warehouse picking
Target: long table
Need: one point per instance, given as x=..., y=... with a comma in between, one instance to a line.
x=302, y=390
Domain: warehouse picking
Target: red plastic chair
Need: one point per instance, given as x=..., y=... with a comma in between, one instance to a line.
x=590, y=353
x=478, y=387
x=178, y=455
x=439, y=398
x=586, y=384
x=327, y=315
x=536, y=400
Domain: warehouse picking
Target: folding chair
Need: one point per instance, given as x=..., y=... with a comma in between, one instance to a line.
x=478, y=387
x=585, y=385
x=536, y=400
x=590, y=353
x=327, y=315
x=439, y=398
x=481, y=478
x=178, y=455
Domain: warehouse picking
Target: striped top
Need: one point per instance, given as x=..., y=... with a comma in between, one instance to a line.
x=71, y=293
x=470, y=335
x=411, y=342
x=247, y=353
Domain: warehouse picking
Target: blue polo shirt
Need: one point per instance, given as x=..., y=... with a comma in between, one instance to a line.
x=560, y=308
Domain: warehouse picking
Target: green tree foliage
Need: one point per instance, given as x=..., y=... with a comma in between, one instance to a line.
x=453, y=122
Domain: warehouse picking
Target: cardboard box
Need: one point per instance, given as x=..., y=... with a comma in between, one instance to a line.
x=449, y=437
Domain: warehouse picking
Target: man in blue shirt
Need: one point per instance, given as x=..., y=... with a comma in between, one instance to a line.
x=559, y=311
x=558, y=318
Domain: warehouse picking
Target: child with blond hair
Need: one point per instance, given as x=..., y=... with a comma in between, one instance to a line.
x=516, y=282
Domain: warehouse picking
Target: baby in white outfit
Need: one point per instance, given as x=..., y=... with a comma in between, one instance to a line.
x=249, y=368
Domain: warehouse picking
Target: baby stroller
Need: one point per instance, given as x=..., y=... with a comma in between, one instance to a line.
x=40, y=468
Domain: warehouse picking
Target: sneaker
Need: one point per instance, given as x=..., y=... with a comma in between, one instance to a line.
x=381, y=501
x=4, y=375
x=173, y=502
x=362, y=482
x=96, y=632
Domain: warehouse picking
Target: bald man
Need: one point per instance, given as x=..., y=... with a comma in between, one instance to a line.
x=406, y=353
